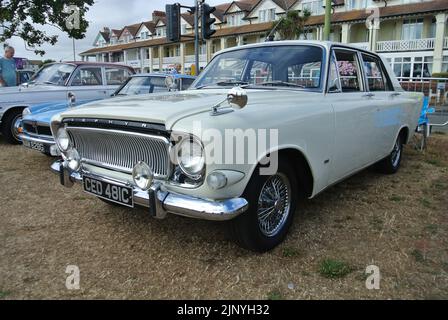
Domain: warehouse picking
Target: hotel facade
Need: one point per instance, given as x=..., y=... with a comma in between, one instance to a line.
x=411, y=34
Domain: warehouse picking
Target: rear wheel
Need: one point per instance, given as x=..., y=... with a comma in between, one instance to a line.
x=272, y=203
x=391, y=164
x=11, y=126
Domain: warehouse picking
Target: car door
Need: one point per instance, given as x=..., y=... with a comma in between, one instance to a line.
x=115, y=76
x=87, y=83
x=387, y=118
x=354, y=111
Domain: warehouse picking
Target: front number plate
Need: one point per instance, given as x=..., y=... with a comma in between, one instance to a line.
x=108, y=191
x=34, y=145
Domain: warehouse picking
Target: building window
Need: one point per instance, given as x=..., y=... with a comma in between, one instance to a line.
x=315, y=7
x=445, y=64
x=267, y=15
x=412, y=29
x=359, y=4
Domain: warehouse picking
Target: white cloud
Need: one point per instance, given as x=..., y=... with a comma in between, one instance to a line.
x=104, y=13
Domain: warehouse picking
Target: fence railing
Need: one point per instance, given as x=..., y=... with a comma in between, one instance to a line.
x=434, y=88
x=405, y=45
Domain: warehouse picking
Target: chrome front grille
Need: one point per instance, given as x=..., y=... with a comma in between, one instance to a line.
x=121, y=150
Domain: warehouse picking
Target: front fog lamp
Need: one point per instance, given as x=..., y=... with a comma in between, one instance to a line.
x=217, y=180
x=142, y=175
x=62, y=139
x=191, y=158
x=73, y=159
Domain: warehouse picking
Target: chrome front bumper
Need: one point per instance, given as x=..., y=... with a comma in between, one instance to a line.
x=161, y=202
x=49, y=146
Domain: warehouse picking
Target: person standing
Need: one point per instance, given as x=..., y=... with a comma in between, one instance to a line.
x=177, y=69
x=8, y=74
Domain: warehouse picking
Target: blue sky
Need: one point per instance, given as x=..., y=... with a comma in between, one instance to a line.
x=104, y=13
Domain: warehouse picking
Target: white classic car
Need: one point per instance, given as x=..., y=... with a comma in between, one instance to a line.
x=57, y=82
x=262, y=126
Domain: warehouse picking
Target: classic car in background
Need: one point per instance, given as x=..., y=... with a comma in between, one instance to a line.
x=54, y=83
x=336, y=109
x=35, y=128
x=24, y=76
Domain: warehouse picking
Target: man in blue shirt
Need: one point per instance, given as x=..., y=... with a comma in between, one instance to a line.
x=8, y=75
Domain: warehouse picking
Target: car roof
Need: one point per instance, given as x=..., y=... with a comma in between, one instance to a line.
x=325, y=44
x=159, y=74
x=91, y=63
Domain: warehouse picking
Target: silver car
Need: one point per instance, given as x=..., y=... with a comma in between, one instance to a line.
x=54, y=83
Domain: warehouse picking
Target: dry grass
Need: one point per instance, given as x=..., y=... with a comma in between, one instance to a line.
x=398, y=223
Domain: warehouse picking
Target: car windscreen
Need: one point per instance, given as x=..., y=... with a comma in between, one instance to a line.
x=292, y=66
x=142, y=85
x=55, y=74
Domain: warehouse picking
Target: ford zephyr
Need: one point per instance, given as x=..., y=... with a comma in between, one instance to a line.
x=261, y=127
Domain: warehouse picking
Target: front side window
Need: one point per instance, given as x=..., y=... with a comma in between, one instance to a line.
x=116, y=76
x=87, y=77
x=287, y=66
x=54, y=74
x=376, y=77
x=349, y=71
x=142, y=85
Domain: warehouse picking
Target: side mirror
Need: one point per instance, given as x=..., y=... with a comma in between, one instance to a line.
x=237, y=98
x=71, y=99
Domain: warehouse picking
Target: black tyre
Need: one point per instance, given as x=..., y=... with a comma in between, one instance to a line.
x=391, y=164
x=272, y=203
x=10, y=126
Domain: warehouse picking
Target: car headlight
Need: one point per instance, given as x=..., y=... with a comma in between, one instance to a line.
x=190, y=157
x=62, y=139
x=26, y=112
x=142, y=175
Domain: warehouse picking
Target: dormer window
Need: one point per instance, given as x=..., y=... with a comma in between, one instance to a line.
x=267, y=15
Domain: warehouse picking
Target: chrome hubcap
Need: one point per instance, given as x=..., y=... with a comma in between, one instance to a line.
x=16, y=126
x=274, y=204
x=396, y=154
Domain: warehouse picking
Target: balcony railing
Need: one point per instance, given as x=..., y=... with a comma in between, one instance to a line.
x=405, y=45
x=190, y=59
x=170, y=60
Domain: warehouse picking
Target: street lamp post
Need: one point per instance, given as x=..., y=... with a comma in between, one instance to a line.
x=327, y=20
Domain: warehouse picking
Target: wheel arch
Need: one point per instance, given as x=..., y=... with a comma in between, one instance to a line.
x=301, y=165
x=9, y=111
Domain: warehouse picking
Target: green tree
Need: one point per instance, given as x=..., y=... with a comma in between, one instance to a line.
x=47, y=61
x=291, y=26
x=22, y=18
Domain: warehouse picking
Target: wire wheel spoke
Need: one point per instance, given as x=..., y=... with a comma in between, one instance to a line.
x=274, y=205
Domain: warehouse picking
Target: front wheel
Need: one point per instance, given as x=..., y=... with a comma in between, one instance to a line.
x=391, y=164
x=272, y=203
x=11, y=127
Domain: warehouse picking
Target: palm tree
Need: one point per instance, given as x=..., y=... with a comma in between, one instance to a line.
x=291, y=26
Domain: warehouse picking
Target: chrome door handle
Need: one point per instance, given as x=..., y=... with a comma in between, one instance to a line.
x=369, y=95
x=395, y=94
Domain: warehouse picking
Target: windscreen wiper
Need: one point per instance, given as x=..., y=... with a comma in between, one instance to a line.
x=280, y=84
x=232, y=83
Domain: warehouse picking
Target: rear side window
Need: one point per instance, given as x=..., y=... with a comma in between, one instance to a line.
x=87, y=77
x=349, y=70
x=376, y=76
x=116, y=76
